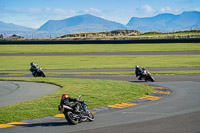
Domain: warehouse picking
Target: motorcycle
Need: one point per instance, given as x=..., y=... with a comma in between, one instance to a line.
x=38, y=72
x=74, y=117
x=147, y=76
x=143, y=74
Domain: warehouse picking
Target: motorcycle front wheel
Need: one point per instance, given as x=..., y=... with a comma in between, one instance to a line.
x=71, y=118
x=90, y=116
x=151, y=78
x=42, y=74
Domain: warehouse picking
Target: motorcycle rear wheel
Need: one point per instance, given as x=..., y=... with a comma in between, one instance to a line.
x=69, y=116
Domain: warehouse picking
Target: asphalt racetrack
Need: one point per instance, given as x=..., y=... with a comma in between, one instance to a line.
x=15, y=91
x=178, y=112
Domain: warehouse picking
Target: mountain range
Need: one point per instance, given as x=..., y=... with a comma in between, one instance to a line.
x=13, y=27
x=88, y=23
x=166, y=22
x=82, y=23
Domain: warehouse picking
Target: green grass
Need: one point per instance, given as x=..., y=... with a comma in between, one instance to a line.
x=82, y=48
x=96, y=93
x=87, y=62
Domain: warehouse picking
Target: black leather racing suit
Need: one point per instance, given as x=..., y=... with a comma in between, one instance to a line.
x=33, y=69
x=71, y=102
x=139, y=72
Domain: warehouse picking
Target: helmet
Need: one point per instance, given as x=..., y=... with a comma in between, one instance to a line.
x=136, y=66
x=64, y=96
x=31, y=63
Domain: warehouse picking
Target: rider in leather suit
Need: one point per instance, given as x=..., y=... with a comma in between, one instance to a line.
x=71, y=102
x=139, y=72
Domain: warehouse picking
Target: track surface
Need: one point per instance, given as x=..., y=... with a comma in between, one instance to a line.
x=179, y=112
x=14, y=91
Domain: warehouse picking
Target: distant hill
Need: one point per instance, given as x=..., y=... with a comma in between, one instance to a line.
x=166, y=22
x=82, y=23
x=88, y=23
x=102, y=35
x=186, y=19
x=9, y=27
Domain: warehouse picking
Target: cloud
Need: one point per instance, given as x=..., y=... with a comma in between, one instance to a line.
x=61, y=14
x=90, y=10
x=72, y=12
x=47, y=9
x=143, y=11
x=165, y=9
x=197, y=9
x=147, y=8
x=93, y=10
x=42, y=12
x=34, y=10
x=60, y=11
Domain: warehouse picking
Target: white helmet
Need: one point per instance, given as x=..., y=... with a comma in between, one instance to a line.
x=136, y=66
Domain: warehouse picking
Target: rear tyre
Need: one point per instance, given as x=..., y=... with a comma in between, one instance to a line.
x=70, y=117
x=35, y=75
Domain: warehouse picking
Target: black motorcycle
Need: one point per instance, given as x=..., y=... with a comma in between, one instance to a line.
x=74, y=117
x=37, y=72
x=143, y=74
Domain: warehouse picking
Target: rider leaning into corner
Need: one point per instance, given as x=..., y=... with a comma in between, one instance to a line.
x=71, y=102
x=139, y=72
x=33, y=68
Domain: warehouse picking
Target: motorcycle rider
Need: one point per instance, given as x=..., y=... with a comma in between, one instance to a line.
x=33, y=68
x=140, y=72
x=66, y=100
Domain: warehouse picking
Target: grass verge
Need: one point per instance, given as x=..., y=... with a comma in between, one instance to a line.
x=83, y=48
x=95, y=93
x=87, y=62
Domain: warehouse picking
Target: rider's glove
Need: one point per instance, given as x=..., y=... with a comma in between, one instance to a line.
x=59, y=107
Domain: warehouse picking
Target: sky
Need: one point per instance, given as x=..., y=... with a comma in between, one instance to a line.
x=34, y=13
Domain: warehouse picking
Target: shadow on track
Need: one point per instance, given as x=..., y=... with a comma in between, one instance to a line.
x=47, y=124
